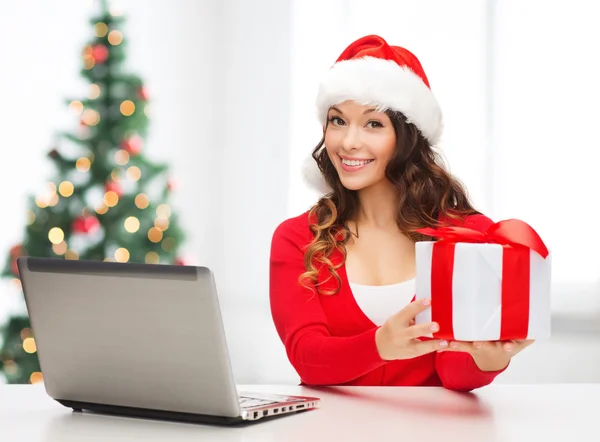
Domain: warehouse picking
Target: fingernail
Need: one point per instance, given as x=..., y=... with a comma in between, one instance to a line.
x=477, y=345
x=443, y=343
x=454, y=345
x=507, y=348
x=426, y=301
x=434, y=327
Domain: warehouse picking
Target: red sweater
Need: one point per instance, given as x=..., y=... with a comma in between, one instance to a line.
x=330, y=341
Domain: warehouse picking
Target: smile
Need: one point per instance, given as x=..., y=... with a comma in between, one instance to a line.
x=354, y=165
x=355, y=162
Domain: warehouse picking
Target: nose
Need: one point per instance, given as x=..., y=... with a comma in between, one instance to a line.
x=352, y=139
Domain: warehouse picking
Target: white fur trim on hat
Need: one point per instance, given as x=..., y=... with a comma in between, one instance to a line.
x=385, y=84
x=313, y=177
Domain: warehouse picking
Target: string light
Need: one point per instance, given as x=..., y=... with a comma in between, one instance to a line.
x=41, y=202
x=122, y=157
x=109, y=259
x=53, y=200
x=56, y=235
x=163, y=211
x=66, y=188
x=161, y=223
x=83, y=164
x=115, y=37
x=60, y=248
x=29, y=345
x=132, y=224
x=168, y=244
x=90, y=117
x=155, y=235
x=30, y=217
x=76, y=107
x=94, y=91
x=122, y=255
x=102, y=209
x=101, y=29
x=115, y=175
x=142, y=201
x=88, y=62
x=36, y=377
x=134, y=173
x=48, y=197
x=26, y=333
x=72, y=254
x=127, y=108
x=111, y=198
x=152, y=258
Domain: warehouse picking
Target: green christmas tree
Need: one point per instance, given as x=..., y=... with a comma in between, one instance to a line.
x=107, y=200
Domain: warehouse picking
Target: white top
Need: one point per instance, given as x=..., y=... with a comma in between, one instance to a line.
x=497, y=413
x=379, y=302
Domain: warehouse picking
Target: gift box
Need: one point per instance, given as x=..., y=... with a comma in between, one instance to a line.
x=485, y=286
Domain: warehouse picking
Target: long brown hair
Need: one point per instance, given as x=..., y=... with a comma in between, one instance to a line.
x=426, y=193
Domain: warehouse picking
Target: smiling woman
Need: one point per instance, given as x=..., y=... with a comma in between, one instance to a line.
x=381, y=181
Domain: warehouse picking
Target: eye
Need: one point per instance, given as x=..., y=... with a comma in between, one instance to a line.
x=374, y=124
x=336, y=121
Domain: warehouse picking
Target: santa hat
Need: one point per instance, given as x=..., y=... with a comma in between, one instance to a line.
x=371, y=72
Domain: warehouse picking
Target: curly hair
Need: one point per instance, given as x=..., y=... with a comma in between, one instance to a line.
x=426, y=193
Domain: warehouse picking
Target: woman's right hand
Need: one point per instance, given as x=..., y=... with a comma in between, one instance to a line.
x=397, y=337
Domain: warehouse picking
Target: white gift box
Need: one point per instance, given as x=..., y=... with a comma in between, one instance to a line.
x=474, y=294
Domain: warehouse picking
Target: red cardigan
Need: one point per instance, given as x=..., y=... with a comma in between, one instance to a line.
x=330, y=341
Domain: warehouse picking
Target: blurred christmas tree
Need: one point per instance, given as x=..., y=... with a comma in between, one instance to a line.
x=107, y=201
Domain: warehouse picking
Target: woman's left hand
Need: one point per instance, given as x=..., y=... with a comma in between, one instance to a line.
x=490, y=355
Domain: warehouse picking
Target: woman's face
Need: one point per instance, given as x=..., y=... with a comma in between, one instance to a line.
x=360, y=142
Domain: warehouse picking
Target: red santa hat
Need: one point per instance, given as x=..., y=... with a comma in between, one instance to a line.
x=371, y=72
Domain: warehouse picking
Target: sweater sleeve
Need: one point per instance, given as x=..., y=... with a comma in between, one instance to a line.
x=300, y=321
x=458, y=371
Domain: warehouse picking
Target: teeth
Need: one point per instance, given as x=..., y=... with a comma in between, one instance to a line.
x=355, y=162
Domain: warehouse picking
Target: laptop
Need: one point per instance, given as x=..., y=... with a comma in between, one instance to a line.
x=143, y=340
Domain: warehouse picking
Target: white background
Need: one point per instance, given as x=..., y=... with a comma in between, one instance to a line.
x=233, y=84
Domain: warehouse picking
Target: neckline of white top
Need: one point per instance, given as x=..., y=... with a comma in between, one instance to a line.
x=384, y=287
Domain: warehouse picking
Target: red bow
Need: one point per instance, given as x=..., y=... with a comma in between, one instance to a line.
x=510, y=232
x=519, y=238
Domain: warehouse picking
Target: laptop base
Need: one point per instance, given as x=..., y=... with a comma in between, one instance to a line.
x=153, y=414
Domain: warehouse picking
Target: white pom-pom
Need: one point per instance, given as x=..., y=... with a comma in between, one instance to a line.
x=313, y=177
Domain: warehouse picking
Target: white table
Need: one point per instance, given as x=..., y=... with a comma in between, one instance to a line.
x=496, y=413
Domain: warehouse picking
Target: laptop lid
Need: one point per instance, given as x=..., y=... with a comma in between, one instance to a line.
x=127, y=334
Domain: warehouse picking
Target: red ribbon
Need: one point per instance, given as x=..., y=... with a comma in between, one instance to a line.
x=517, y=239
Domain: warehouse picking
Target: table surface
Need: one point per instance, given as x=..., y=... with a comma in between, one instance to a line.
x=495, y=413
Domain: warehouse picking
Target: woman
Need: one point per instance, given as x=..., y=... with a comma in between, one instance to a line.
x=342, y=275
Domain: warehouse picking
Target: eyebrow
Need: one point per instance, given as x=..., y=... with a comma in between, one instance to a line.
x=368, y=111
